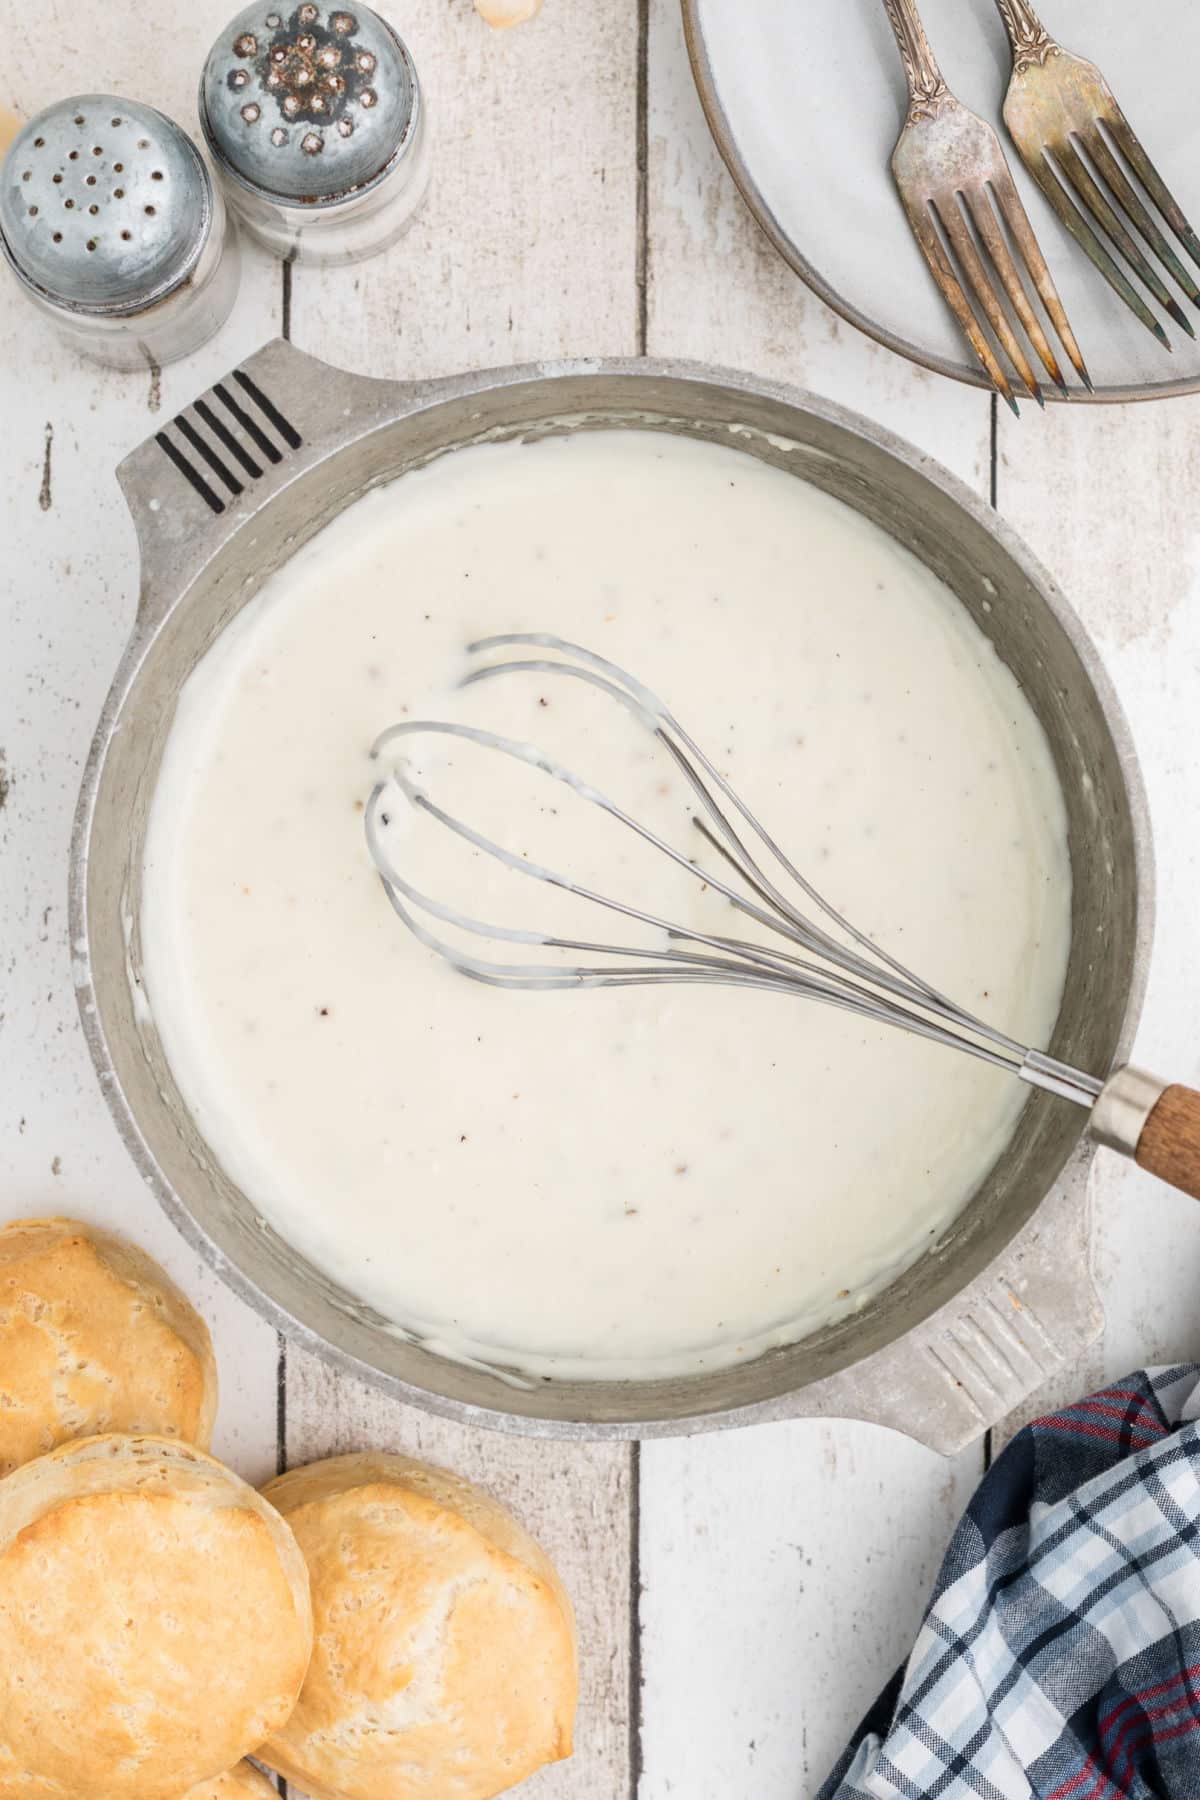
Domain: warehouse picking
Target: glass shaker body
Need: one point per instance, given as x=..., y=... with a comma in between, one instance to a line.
x=318, y=127
x=116, y=232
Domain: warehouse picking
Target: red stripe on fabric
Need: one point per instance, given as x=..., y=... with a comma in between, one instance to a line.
x=1160, y=1737
x=1138, y=1430
x=1115, y=1412
x=1060, y=1793
x=1106, y=1782
x=1140, y=1723
x=1100, y=1402
x=1132, y=1726
x=1177, y=1731
x=1152, y=1693
x=1068, y=1787
x=1080, y=1428
x=1120, y=1748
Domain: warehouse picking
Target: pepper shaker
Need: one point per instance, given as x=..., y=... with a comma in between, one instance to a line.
x=316, y=122
x=116, y=231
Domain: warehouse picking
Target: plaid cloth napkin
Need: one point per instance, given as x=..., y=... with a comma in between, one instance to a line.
x=1060, y=1656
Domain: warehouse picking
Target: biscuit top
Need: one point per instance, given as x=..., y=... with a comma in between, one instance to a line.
x=445, y=1648
x=154, y=1622
x=94, y=1338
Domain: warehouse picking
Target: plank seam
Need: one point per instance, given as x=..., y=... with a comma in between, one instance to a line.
x=989, y=1436
x=642, y=250
x=642, y=291
x=635, y=1620
x=281, y=1361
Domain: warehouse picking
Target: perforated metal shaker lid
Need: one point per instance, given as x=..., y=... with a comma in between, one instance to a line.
x=105, y=204
x=308, y=106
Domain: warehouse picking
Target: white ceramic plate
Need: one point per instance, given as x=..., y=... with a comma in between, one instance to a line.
x=806, y=97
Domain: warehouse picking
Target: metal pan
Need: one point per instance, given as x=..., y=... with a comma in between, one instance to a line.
x=223, y=495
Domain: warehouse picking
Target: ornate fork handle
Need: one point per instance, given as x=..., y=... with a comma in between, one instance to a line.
x=1031, y=42
x=926, y=88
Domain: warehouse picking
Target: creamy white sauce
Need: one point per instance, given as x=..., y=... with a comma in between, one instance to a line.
x=599, y=1183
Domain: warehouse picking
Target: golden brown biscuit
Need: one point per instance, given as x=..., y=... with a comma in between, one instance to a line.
x=155, y=1622
x=444, y=1659
x=94, y=1338
x=242, y=1783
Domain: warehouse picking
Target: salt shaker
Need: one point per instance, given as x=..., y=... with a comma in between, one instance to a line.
x=116, y=231
x=315, y=119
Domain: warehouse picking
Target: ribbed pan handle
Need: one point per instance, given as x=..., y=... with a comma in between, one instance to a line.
x=210, y=467
x=994, y=1351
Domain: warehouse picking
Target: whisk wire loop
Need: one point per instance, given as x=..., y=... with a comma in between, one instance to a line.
x=858, y=977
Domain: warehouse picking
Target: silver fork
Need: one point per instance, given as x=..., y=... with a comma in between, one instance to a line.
x=1060, y=107
x=952, y=175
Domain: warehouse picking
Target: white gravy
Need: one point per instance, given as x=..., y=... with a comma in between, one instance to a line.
x=600, y=1184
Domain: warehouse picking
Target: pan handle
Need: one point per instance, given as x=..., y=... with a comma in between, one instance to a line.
x=992, y=1350
x=211, y=467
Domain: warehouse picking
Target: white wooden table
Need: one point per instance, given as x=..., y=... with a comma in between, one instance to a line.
x=741, y=1597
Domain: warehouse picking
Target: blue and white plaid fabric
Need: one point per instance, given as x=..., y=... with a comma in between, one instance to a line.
x=1060, y=1656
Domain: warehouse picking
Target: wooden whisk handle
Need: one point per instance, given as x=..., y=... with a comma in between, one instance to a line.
x=1155, y=1123
x=1169, y=1146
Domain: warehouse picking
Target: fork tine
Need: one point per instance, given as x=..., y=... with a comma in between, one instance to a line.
x=952, y=292
x=969, y=259
x=1096, y=144
x=1128, y=141
x=1042, y=171
x=987, y=224
x=1012, y=210
x=1081, y=179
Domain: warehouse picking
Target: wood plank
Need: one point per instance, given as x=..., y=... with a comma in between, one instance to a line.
x=576, y=1499
x=785, y=1572
x=69, y=587
x=717, y=290
x=1106, y=496
x=784, y=1567
x=526, y=249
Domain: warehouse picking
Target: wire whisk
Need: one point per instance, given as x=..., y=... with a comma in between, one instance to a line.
x=849, y=971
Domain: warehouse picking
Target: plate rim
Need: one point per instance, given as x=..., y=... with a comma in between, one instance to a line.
x=723, y=136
